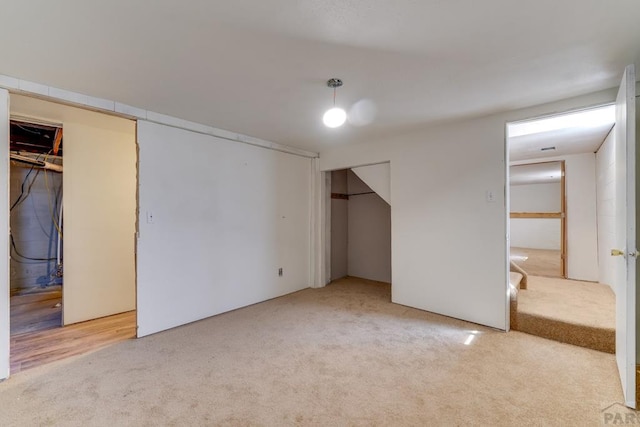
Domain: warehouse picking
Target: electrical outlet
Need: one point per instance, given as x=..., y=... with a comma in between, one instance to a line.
x=150, y=218
x=280, y=272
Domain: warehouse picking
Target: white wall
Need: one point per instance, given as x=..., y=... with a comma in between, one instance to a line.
x=32, y=226
x=339, y=226
x=536, y=233
x=440, y=217
x=4, y=236
x=536, y=198
x=369, y=231
x=99, y=205
x=582, y=228
x=606, y=209
x=377, y=177
x=439, y=180
x=226, y=216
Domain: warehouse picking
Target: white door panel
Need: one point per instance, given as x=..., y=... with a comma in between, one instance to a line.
x=625, y=236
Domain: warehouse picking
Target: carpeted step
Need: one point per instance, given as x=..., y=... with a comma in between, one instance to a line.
x=596, y=338
x=569, y=311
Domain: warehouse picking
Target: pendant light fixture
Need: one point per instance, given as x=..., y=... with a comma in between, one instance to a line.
x=335, y=116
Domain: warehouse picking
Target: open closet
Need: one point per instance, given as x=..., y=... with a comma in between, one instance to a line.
x=72, y=258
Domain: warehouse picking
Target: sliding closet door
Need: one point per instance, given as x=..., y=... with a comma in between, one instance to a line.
x=222, y=225
x=4, y=234
x=99, y=183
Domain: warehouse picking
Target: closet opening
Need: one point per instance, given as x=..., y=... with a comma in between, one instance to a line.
x=361, y=227
x=72, y=286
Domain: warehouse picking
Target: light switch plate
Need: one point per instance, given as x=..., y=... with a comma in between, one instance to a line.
x=491, y=196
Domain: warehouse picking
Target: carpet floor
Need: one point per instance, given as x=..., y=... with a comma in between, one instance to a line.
x=538, y=262
x=587, y=303
x=571, y=311
x=338, y=356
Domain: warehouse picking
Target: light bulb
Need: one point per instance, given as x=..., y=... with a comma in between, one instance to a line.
x=334, y=117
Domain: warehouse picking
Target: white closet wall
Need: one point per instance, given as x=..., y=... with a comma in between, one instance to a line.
x=369, y=233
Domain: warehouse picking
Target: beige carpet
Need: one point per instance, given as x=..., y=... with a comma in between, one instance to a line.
x=587, y=303
x=338, y=356
x=539, y=262
x=575, y=312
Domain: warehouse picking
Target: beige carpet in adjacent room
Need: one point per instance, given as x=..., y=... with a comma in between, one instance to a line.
x=538, y=262
x=340, y=355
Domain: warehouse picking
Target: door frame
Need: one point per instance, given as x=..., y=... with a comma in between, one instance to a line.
x=564, y=256
x=324, y=194
x=564, y=241
x=5, y=336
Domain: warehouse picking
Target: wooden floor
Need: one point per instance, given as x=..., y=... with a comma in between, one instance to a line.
x=36, y=310
x=31, y=349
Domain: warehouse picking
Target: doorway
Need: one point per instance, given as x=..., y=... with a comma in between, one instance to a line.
x=538, y=218
x=360, y=227
x=554, y=206
x=36, y=228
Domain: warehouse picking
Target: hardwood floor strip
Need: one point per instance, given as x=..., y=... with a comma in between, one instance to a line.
x=33, y=349
x=72, y=349
x=47, y=343
x=79, y=330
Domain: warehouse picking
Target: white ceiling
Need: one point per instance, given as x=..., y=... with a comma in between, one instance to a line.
x=566, y=142
x=536, y=173
x=259, y=67
x=561, y=135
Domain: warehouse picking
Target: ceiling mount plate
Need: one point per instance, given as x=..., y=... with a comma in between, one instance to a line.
x=334, y=83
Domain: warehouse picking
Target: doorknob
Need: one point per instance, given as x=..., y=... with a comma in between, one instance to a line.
x=617, y=252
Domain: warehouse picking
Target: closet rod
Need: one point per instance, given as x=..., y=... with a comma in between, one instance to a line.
x=361, y=194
